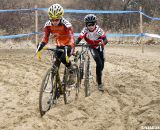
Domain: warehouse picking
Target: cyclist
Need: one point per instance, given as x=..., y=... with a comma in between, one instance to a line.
x=62, y=33
x=93, y=34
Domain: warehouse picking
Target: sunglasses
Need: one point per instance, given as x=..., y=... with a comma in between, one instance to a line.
x=54, y=20
x=90, y=24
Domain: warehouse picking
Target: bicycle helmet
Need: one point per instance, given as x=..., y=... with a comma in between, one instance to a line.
x=90, y=18
x=55, y=11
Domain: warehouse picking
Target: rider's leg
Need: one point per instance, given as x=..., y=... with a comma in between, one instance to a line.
x=98, y=57
x=68, y=65
x=101, y=54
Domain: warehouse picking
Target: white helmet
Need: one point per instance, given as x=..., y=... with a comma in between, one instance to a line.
x=55, y=11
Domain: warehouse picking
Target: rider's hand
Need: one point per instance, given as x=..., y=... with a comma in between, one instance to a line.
x=40, y=46
x=77, y=41
x=39, y=55
x=100, y=43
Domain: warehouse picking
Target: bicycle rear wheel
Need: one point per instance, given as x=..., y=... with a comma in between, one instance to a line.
x=71, y=92
x=47, y=96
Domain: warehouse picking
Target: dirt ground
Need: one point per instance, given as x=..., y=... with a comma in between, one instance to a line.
x=131, y=99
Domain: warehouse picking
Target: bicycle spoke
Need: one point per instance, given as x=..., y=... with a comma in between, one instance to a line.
x=47, y=93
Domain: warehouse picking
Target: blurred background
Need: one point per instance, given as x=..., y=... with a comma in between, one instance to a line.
x=24, y=22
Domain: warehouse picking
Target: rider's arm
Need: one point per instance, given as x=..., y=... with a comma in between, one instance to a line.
x=82, y=35
x=40, y=46
x=46, y=33
x=104, y=38
x=45, y=39
x=78, y=40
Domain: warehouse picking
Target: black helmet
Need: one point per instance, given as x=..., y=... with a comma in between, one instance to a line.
x=90, y=18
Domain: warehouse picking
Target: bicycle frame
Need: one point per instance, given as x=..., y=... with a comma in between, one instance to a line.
x=84, y=57
x=53, y=86
x=56, y=71
x=85, y=60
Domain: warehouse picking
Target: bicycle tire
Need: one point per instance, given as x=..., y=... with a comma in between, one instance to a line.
x=71, y=95
x=47, y=94
x=81, y=71
x=87, y=79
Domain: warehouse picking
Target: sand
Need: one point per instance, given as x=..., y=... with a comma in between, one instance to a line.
x=131, y=99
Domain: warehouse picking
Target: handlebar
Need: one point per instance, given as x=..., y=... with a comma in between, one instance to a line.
x=54, y=50
x=88, y=45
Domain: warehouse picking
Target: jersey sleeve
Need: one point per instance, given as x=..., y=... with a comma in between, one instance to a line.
x=102, y=35
x=46, y=32
x=100, y=32
x=81, y=36
x=83, y=33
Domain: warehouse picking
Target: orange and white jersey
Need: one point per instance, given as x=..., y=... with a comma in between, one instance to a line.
x=62, y=34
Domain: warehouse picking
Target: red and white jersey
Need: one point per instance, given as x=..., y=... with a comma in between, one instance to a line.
x=94, y=37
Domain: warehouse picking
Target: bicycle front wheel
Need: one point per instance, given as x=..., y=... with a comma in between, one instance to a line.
x=48, y=90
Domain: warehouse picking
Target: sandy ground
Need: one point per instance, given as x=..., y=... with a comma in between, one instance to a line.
x=130, y=102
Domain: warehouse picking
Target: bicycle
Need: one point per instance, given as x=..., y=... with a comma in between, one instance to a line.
x=53, y=87
x=85, y=66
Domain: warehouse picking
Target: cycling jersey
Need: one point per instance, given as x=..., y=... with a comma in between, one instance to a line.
x=95, y=37
x=62, y=34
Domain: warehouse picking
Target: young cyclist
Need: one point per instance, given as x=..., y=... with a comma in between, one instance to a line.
x=62, y=33
x=93, y=34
